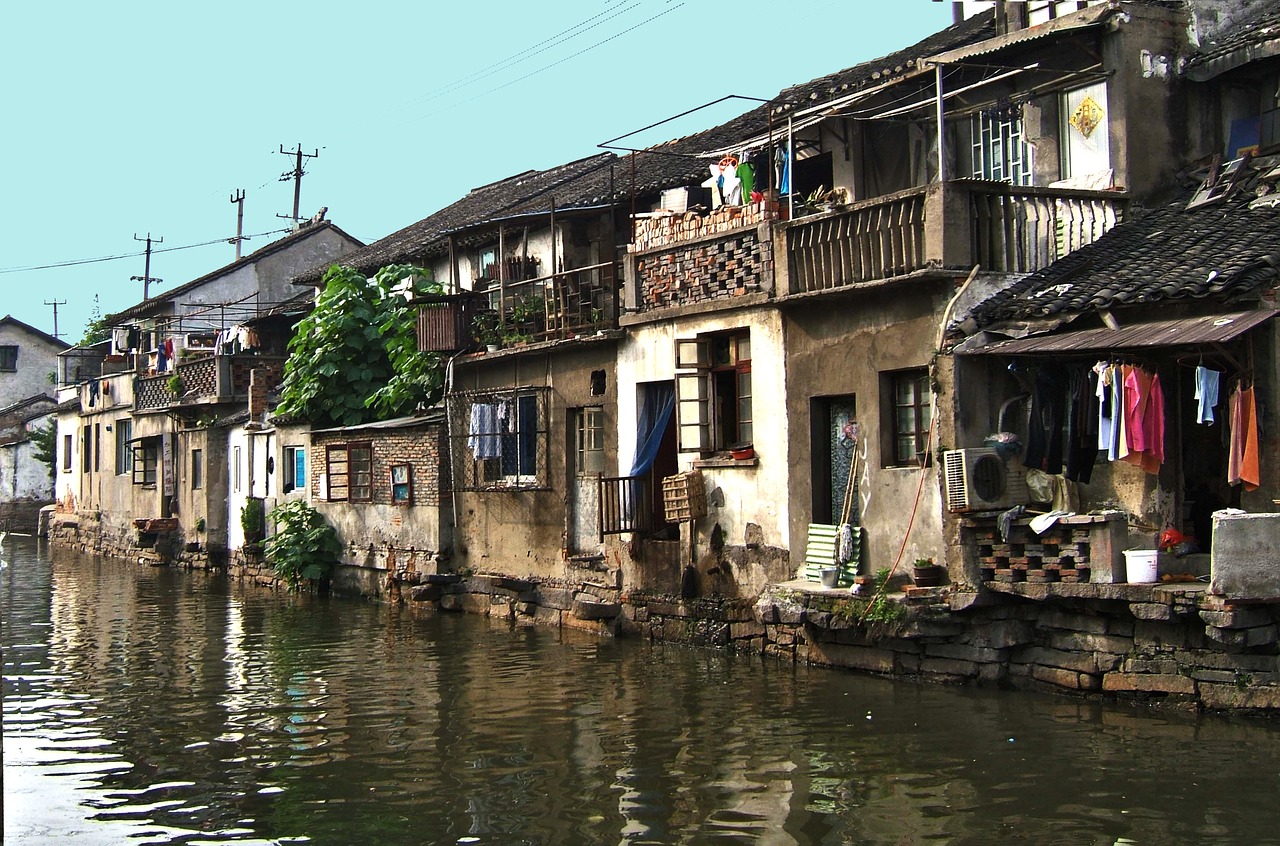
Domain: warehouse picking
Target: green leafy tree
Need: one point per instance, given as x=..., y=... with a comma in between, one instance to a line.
x=304, y=547
x=355, y=358
x=46, y=440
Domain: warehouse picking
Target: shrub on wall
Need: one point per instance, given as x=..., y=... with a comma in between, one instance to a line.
x=304, y=547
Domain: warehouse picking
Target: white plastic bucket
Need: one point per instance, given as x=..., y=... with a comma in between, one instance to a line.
x=1140, y=565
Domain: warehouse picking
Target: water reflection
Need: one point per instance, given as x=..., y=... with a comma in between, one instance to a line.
x=153, y=706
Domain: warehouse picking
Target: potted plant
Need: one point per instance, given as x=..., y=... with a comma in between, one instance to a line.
x=174, y=384
x=925, y=573
x=486, y=328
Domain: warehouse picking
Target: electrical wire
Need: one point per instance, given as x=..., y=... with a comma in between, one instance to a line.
x=74, y=262
x=525, y=54
x=544, y=68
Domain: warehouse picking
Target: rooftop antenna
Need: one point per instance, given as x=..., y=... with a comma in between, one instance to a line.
x=296, y=176
x=237, y=199
x=146, y=278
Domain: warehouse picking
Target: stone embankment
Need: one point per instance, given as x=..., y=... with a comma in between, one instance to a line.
x=1170, y=644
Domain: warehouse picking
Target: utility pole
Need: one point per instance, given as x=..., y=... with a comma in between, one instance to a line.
x=296, y=175
x=146, y=278
x=55, y=304
x=237, y=199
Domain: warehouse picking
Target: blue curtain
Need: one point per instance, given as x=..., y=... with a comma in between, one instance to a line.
x=655, y=414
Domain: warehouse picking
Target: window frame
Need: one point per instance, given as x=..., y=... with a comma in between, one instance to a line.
x=516, y=454
x=987, y=135
x=9, y=358
x=360, y=491
x=401, y=483
x=701, y=388
x=921, y=405
x=124, y=453
x=197, y=468
x=338, y=471
x=588, y=440
x=295, y=459
x=67, y=446
x=146, y=462
x=237, y=458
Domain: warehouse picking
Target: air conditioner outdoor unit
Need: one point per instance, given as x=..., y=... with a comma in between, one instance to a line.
x=979, y=480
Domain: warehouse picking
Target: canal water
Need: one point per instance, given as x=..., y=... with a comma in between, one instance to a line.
x=158, y=706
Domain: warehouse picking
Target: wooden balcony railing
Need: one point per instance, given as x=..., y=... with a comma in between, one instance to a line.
x=1021, y=229
x=626, y=505
x=876, y=239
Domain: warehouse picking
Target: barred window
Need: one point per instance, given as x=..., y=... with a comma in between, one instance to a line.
x=499, y=439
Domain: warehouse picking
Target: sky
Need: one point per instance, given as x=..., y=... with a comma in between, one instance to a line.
x=136, y=118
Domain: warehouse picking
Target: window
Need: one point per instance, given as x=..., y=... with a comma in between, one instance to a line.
x=235, y=468
x=97, y=447
x=66, y=453
x=8, y=357
x=197, y=469
x=998, y=149
x=350, y=471
x=713, y=391
x=588, y=428
x=907, y=403
x=124, y=452
x=146, y=457
x=86, y=454
x=401, y=484
x=295, y=468
x=499, y=439
x=1086, y=134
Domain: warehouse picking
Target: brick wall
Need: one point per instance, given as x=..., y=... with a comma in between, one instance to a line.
x=680, y=260
x=422, y=447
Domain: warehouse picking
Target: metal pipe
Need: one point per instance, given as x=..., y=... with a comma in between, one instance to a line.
x=942, y=144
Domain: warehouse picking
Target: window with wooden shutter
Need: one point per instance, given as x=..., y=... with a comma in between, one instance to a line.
x=693, y=394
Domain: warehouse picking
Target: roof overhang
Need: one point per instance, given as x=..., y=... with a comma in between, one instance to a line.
x=1177, y=332
x=1076, y=22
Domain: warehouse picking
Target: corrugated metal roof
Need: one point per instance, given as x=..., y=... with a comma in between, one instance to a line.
x=1074, y=22
x=1185, y=331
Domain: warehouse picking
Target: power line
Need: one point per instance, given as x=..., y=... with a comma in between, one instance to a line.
x=74, y=262
x=525, y=54
x=550, y=66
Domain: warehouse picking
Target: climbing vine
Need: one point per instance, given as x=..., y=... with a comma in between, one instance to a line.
x=305, y=547
x=355, y=358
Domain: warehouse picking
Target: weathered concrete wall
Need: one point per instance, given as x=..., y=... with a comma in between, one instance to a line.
x=849, y=348
x=380, y=535
x=526, y=531
x=1246, y=555
x=744, y=498
x=37, y=358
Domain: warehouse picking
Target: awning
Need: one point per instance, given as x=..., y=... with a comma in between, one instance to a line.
x=1178, y=332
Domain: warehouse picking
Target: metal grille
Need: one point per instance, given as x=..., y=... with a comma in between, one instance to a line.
x=499, y=439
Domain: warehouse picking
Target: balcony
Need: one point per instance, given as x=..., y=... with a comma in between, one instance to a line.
x=545, y=308
x=206, y=380
x=1002, y=228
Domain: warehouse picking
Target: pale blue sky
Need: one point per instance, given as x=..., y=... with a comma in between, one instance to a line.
x=137, y=117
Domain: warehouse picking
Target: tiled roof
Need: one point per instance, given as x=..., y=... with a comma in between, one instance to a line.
x=606, y=179
x=1260, y=27
x=10, y=320
x=1222, y=251
x=306, y=230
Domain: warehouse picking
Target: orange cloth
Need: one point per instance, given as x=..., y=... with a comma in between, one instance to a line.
x=1243, y=466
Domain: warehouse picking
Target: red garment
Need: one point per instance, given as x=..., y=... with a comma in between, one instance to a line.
x=1243, y=466
x=1143, y=419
